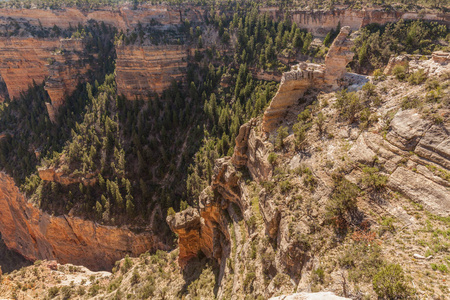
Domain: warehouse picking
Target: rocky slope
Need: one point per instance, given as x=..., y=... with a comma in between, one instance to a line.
x=38, y=235
x=272, y=222
x=144, y=69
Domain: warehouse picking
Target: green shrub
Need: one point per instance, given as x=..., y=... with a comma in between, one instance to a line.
x=272, y=158
x=170, y=211
x=373, y=179
x=53, y=291
x=409, y=103
x=399, y=72
x=349, y=105
x=417, y=77
x=319, y=275
x=282, y=134
x=249, y=278
x=285, y=186
x=342, y=201
x=389, y=283
x=66, y=292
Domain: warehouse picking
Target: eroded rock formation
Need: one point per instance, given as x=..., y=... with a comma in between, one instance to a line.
x=57, y=175
x=68, y=239
x=144, y=69
x=205, y=229
x=304, y=76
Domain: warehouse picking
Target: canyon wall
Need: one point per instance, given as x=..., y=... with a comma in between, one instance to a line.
x=24, y=60
x=321, y=22
x=123, y=17
x=304, y=76
x=38, y=235
x=67, y=67
x=144, y=69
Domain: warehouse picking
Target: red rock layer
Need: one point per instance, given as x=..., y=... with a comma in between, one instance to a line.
x=144, y=69
x=321, y=22
x=24, y=60
x=123, y=17
x=68, y=239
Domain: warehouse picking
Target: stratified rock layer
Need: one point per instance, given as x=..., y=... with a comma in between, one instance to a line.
x=321, y=22
x=24, y=60
x=144, y=69
x=123, y=17
x=304, y=76
x=38, y=235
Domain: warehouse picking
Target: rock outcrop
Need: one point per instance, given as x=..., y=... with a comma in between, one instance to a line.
x=204, y=230
x=435, y=64
x=304, y=76
x=57, y=175
x=425, y=147
x=144, y=69
x=68, y=239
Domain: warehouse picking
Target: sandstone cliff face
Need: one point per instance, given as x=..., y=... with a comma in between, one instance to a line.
x=206, y=230
x=38, y=235
x=304, y=76
x=24, y=60
x=321, y=22
x=123, y=17
x=144, y=69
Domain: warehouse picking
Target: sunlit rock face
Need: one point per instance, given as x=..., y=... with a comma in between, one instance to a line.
x=304, y=76
x=67, y=239
x=141, y=70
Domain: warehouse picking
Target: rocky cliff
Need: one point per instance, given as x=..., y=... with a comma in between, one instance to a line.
x=305, y=76
x=24, y=60
x=321, y=22
x=123, y=17
x=68, y=239
x=60, y=63
x=144, y=69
